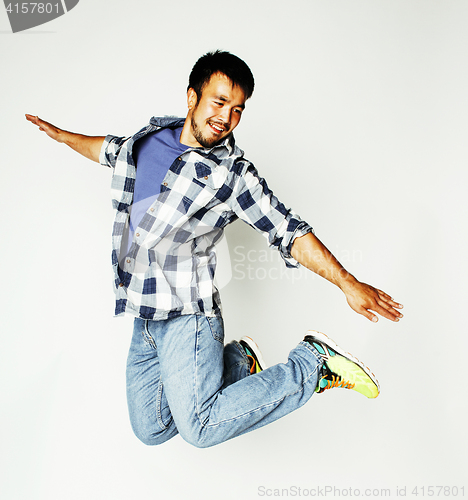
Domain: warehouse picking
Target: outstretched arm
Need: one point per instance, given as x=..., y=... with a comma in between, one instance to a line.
x=362, y=298
x=86, y=145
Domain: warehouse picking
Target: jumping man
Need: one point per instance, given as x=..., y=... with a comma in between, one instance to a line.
x=177, y=183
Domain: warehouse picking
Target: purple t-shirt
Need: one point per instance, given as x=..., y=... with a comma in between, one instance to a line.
x=153, y=155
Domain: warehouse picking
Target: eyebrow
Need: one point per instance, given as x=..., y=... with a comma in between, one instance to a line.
x=225, y=99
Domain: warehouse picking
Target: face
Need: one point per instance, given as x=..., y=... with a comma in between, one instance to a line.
x=216, y=114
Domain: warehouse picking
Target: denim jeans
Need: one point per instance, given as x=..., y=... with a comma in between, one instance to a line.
x=182, y=379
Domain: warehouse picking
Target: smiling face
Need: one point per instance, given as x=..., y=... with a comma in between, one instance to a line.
x=215, y=115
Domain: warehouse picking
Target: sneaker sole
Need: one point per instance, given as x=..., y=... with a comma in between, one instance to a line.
x=330, y=343
x=255, y=350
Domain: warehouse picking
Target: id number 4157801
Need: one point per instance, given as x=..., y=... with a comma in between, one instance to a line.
x=438, y=491
x=32, y=7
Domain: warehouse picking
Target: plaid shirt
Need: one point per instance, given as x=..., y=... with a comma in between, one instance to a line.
x=170, y=267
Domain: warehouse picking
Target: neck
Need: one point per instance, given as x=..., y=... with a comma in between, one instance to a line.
x=186, y=136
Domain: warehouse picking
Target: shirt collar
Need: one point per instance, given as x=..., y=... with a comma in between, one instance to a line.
x=173, y=121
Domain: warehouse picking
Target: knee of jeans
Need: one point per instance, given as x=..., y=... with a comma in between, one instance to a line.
x=152, y=439
x=199, y=438
x=198, y=443
x=146, y=436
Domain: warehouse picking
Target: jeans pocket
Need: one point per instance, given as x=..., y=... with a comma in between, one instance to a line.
x=217, y=328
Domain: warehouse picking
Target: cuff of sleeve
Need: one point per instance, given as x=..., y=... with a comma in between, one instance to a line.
x=102, y=155
x=301, y=230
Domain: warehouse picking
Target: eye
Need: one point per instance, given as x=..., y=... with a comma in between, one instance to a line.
x=238, y=111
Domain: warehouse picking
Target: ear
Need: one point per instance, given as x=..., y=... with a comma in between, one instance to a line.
x=192, y=98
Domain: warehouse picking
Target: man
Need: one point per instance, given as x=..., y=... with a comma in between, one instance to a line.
x=176, y=184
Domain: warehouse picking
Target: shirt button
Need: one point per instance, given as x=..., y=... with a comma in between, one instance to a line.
x=120, y=284
x=151, y=209
x=164, y=183
x=137, y=234
x=206, y=177
x=128, y=261
x=179, y=159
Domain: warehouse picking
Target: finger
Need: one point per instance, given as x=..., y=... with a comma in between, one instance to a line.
x=381, y=292
x=31, y=118
x=387, y=313
x=367, y=314
x=36, y=120
x=392, y=303
x=389, y=306
x=395, y=304
x=389, y=299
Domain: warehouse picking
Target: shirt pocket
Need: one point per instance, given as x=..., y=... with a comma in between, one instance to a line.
x=209, y=174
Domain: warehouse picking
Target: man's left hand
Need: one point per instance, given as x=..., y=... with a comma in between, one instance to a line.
x=364, y=298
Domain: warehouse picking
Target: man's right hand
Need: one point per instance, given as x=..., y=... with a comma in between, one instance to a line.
x=51, y=130
x=88, y=146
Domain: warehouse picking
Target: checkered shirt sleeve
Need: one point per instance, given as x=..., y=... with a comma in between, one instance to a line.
x=110, y=150
x=256, y=205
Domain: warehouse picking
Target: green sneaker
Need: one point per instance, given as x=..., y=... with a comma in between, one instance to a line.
x=341, y=369
x=253, y=353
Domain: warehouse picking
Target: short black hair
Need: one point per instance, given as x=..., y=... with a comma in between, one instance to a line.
x=221, y=62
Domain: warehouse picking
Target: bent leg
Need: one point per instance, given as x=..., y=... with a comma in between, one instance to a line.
x=208, y=412
x=149, y=412
x=236, y=363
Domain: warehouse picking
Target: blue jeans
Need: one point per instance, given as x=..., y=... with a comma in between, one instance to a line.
x=182, y=379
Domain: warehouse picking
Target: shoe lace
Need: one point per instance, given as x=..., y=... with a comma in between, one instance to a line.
x=252, y=364
x=337, y=382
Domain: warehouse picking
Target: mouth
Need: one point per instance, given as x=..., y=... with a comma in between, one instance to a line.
x=217, y=128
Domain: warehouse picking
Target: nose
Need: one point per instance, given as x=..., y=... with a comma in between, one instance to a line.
x=225, y=115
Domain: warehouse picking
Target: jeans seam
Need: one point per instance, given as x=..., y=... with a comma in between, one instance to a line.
x=219, y=339
x=313, y=350
x=158, y=406
x=273, y=403
x=197, y=406
x=147, y=336
x=197, y=324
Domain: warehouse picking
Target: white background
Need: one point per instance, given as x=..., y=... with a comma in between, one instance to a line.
x=358, y=122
